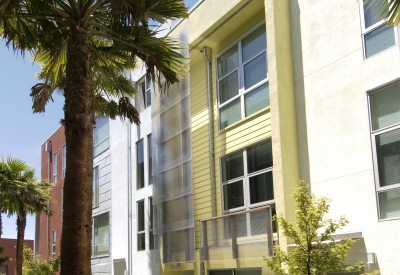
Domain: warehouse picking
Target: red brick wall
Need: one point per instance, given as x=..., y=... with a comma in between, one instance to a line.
x=10, y=251
x=46, y=224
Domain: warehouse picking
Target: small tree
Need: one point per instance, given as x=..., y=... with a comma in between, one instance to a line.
x=3, y=259
x=316, y=251
x=33, y=265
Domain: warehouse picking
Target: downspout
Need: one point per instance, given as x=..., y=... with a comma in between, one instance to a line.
x=129, y=195
x=210, y=131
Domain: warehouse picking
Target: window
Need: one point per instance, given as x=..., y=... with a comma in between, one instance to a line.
x=144, y=97
x=151, y=234
x=55, y=168
x=385, y=137
x=62, y=202
x=377, y=36
x=139, y=164
x=241, y=271
x=100, y=134
x=95, y=198
x=101, y=236
x=4, y=269
x=53, y=242
x=141, y=234
x=64, y=160
x=243, y=79
x=150, y=159
x=248, y=171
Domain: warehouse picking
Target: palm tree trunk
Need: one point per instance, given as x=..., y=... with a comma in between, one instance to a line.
x=79, y=119
x=21, y=224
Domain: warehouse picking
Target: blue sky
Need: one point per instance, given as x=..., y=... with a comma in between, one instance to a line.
x=22, y=132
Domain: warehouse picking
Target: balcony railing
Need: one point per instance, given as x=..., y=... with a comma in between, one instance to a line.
x=245, y=234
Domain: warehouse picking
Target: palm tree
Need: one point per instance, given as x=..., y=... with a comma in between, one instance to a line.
x=22, y=194
x=388, y=9
x=75, y=30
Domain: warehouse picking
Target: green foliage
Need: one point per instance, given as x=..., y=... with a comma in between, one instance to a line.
x=316, y=251
x=33, y=265
x=383, y=10
x=3, y=259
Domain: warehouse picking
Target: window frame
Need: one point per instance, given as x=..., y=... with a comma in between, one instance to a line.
x=53, y=243
x=96, y=187
x=144, y=91
x=140, y=232
x=93, y=236
x=55, y=167
x=242, y=91
x=64, y=160
x=143, y=172
x=373, y=135
x=377, y=25
x=245, y=181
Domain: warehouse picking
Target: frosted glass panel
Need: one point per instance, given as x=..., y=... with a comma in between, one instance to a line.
x=256, y=100
x=389, y=204
x=230, y=114
x=228, y=62
x=228, y=87
x=255, y=71
x=388, y=157
x=379, y=40
x=254, y=43
x=385, y=106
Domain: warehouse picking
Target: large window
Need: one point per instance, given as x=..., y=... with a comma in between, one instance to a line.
x=246, y=178
x=243, y=79
x=55, y=168
x=100, y=135
x=95, y=198
x=385, y=136
x=139, y=164
x=64, y=160
x=143, y=99
x=377, y=36
x=101, y=236
x=141, y=233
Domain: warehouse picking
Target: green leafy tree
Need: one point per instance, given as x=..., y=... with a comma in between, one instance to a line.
x=386, y=9
x=112, y=32
x=22, y=194
x=3, y=259
x=33, y=265
x=315, y=251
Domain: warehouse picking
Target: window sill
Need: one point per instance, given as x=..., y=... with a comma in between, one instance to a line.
x=245, y=120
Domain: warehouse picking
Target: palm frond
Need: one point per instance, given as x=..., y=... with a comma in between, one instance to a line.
x=385, y=9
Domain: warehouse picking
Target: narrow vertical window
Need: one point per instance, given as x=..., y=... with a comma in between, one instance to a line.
x=140, y=164
x=55, y=168
x=150, y=159
x=53, y=242
x=151, y=235
x=100, y=136
x=62, y=202
x=101, y=236
x=141, y=235
x=95, y=198
x=64, y=160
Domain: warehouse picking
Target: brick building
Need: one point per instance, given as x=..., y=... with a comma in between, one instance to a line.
x=8, y=268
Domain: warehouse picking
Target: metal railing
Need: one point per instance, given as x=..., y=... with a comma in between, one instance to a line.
x=245, y=234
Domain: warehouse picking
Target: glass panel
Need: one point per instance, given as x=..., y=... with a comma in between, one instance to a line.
x=259, y=156
x=241, y=226
x=369, y=14
x=388, y=157
x=389, y=204
x=256, y=100
x=101, y=236
x=148, y=98
x=140, y=216
x=141, y=241
x=95, y=199
x=228, y=61
x=228, y=87
x=151, y=240
x=379, y=40
x=221, y=272
x=232, y=166
x=140, y=165
x=261, y=188
x=151, y=236
x=385, y=106
x=233, y=195
x=101, y=147
x=254, y=43
x=248, y=272
x=100, y=130
x=150, y=159
x=258, y=222
x=255, y=71
x=230, y=114
x=64, y=160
